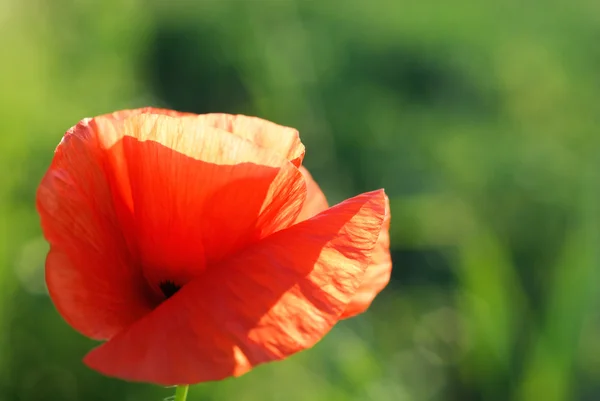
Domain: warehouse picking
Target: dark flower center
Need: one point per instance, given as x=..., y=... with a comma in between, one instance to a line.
x=169, y=288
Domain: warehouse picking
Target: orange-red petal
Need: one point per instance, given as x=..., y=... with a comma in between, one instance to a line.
x=315, y=201
x=124, y=114
x=378, y=273
x=380, y=269
x=140, y=198
x=89, y=272
x=276, y=298
x=266, y=134
x=195, y=193
x=280, y=139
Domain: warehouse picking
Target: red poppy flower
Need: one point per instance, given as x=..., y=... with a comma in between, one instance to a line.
x=197, y=246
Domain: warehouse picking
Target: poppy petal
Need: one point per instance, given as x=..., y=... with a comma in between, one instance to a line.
x=378, y=273
x=89, y=274
x=266, y=134
x=316, y=201
x=124, y=114
x=276, y=298
x=195, y=193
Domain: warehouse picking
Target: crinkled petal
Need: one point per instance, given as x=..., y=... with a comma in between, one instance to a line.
x=124, y=114
x=194, y=193
x=266, y=134
x=378, y=273
x=276, y=298
x=90, y=274
x=315, y=201
x=133, y=199
x=280, y=139
x=380, y=269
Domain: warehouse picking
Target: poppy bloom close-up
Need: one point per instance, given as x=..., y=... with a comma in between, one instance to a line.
x=197, y=247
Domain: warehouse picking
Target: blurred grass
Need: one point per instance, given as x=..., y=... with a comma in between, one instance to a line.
x=479, y=118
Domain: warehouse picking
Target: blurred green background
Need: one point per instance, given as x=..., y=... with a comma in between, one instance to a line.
x=480, y=119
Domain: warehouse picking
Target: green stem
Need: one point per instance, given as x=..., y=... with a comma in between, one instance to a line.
x=181, y=393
